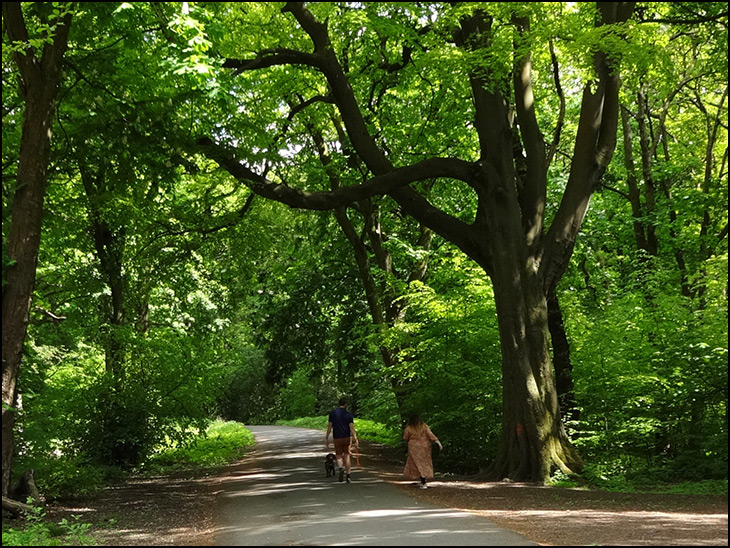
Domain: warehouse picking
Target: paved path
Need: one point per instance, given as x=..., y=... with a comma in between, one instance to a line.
x=279, y=496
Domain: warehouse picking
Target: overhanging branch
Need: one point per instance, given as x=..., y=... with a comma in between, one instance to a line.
x=271, y=58
x=297, y=198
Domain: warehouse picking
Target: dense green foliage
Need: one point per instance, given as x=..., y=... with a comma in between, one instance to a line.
x=166, y=296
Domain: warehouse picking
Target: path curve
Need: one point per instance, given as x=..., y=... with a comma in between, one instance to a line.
x=279, y=496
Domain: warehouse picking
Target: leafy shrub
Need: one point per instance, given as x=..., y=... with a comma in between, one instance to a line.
x=223, y=442
x=63, y=475
x=38, y=532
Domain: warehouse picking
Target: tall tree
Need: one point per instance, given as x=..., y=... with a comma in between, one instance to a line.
x=40, y=74
x=508, y=237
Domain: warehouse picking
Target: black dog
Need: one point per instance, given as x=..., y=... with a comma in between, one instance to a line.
x=329, y=464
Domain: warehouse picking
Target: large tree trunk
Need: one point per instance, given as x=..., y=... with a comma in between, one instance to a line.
x=534, y=442
x=39, y=83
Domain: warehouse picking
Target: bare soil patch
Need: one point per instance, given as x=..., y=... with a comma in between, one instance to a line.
x=181, y=510
x=177, y=510
x=571, y=517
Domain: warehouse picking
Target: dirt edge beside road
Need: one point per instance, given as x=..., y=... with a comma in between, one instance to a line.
x=554, y=516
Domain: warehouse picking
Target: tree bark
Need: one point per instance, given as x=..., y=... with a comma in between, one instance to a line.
x=16, y=508
x=25, y=488
x=109, y=243
x=561, y=360
x=39, y=80
x=713, y=124
x=648, y=176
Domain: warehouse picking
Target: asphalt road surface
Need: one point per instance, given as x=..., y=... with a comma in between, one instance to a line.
x=279, y=496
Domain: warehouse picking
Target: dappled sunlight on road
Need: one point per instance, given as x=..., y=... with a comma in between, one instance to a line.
x=280, y=495
x=402, y=525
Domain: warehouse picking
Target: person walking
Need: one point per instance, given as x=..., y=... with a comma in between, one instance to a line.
x=419, y=437
x=342, y=426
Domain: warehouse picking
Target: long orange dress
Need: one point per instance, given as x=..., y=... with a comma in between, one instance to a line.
x=419, y=463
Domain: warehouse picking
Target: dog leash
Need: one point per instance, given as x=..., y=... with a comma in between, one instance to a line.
x=357, y=456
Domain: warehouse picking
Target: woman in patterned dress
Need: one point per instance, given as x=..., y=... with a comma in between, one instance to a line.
x=419, y=437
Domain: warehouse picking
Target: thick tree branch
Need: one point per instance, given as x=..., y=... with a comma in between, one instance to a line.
x=317, y=31
x=457, y=232
x=363, y=265
x=271, y=58
x=359, y=250
x=633, y=195
x=561, y=115
x=594, y=146
x=222, y=223
x=16, y=29
x=14, y=507
x=32, y=68
x=386, y=180
x=491, y=108
x=326, y=61
x=533, y=194
x=377, y=185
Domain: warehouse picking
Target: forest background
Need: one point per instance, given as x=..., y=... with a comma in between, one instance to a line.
x=167, y=293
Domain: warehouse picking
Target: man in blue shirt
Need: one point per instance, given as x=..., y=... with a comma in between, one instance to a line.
x=341, y=424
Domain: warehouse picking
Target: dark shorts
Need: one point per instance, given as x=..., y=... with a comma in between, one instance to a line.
x=342, y=446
